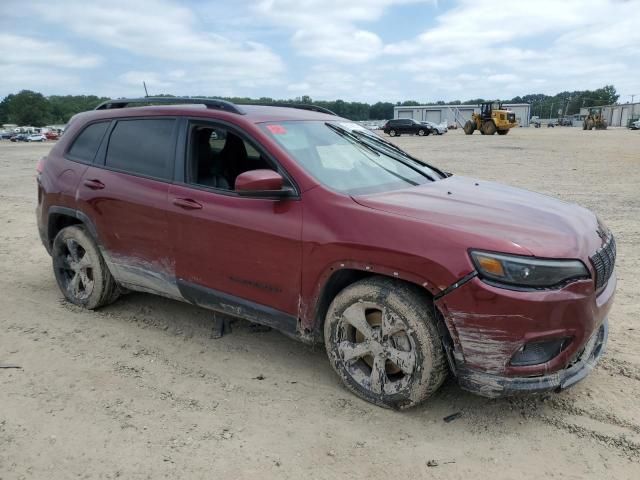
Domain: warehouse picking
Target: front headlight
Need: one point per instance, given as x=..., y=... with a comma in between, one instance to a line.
x=527, y=272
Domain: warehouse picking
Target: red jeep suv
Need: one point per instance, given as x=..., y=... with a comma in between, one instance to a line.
x=294, y=218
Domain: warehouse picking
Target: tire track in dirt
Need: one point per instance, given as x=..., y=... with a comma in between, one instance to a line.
x=619, y=443
x=620, y=367
x=557, y=411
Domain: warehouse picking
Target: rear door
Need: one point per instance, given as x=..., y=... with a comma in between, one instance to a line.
x=125, y=194
x=239, y=255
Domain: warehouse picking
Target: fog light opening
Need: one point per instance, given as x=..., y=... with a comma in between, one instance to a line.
x=535, y=353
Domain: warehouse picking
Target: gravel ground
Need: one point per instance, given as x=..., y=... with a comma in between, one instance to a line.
x=140, y=390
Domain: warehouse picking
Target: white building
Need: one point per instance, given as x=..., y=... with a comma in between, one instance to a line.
x=457, y=114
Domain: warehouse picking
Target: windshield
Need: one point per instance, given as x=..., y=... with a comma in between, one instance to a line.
x=348, y=158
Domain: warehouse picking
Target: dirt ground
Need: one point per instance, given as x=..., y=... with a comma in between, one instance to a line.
x=140, y=390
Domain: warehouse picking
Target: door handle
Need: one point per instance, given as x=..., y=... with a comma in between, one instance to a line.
x=187, y=203
x=94, y=184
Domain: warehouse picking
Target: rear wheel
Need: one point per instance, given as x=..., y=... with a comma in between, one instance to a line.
x=382, y=340
x=469, y=127
x=488, y=127
x=80, y=270
x=392, y=133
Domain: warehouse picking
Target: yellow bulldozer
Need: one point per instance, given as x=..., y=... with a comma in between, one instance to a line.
x=491, y=119
x=594, y=120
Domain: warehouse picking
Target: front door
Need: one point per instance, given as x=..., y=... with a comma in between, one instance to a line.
x=238, y=255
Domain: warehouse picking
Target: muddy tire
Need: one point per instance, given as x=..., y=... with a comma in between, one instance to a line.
x=80, y=270
x=392, y=133
x=469, y=127
x=489, y=128
x=381, y=339
x=503, y=132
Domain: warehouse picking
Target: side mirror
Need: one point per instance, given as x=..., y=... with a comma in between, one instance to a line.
x=262, y=183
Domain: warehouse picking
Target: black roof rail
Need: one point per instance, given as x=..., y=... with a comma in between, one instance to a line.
x=301, y=106
x=214, y=103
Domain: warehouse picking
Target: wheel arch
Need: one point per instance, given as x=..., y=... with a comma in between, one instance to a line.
x=342, y=275
x=61, y=217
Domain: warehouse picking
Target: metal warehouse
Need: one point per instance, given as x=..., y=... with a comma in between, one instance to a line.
x=618, y=115
x=459, y=114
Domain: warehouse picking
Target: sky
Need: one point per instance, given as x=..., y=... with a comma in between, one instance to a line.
x=355, y=50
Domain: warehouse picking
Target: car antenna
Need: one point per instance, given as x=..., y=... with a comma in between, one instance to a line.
x=146, y=94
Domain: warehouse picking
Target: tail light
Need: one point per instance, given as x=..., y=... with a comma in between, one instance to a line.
x=40, y=165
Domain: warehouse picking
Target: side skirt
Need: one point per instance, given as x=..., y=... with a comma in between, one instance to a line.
x=238, y=307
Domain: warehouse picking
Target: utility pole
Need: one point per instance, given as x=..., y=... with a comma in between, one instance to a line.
x=632, y=95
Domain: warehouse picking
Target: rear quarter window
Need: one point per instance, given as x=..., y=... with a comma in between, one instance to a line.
x=144, y=147
x=85, y=146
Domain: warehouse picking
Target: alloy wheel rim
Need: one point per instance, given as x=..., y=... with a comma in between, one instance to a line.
x=377, y=348
x=75, y=268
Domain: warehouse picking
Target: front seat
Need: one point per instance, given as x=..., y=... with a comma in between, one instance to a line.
x=233, y=158
x=207, y=175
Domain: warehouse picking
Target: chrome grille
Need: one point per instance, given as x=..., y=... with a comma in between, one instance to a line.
x=603, y=261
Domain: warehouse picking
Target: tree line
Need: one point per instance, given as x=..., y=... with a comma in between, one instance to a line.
x=33, y=108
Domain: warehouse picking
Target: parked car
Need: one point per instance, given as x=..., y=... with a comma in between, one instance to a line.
x=19, y=137
x=438, y=129
x=635, y=125
x=36, y=137
x=313, y=225
x=6, y=135
x=409, y=126
x=52, y=135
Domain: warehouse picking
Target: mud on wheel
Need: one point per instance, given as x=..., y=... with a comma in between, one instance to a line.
x=80, y=270
x=382, y=341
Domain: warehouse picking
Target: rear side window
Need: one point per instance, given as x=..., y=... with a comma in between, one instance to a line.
x=144, y=147
x=86, y=144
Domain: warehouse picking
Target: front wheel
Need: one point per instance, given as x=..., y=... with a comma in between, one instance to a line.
x=422, y=132
x=469, y=127
x=381, y=339
x=80, y=270
x=488, y=127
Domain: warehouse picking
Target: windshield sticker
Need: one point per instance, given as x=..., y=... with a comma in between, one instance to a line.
x=277, y=129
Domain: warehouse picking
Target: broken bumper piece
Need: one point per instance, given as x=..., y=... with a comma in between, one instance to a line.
x=490, y=385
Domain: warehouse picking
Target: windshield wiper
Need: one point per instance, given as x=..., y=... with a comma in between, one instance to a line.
x=343, y=132
x=384, y=143
x=360, y=139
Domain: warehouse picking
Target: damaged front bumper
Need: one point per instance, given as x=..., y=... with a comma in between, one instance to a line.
x=488, y=326
x=490, y=385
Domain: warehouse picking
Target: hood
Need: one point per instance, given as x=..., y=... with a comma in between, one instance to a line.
x=495, y=217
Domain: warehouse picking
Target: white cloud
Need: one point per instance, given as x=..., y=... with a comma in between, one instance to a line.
x=323, y=48
x=326, y=29
x=167, y=31
x=22, y=50
x=510, y=48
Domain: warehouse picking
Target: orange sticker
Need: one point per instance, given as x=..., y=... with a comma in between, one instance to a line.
x=277, y=129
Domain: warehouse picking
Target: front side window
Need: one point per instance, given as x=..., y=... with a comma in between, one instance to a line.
x=142, y=146
x=216, y=156
x=349, y=158
x=86, y=144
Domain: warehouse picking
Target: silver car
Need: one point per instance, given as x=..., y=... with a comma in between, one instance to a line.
x=439, y=129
